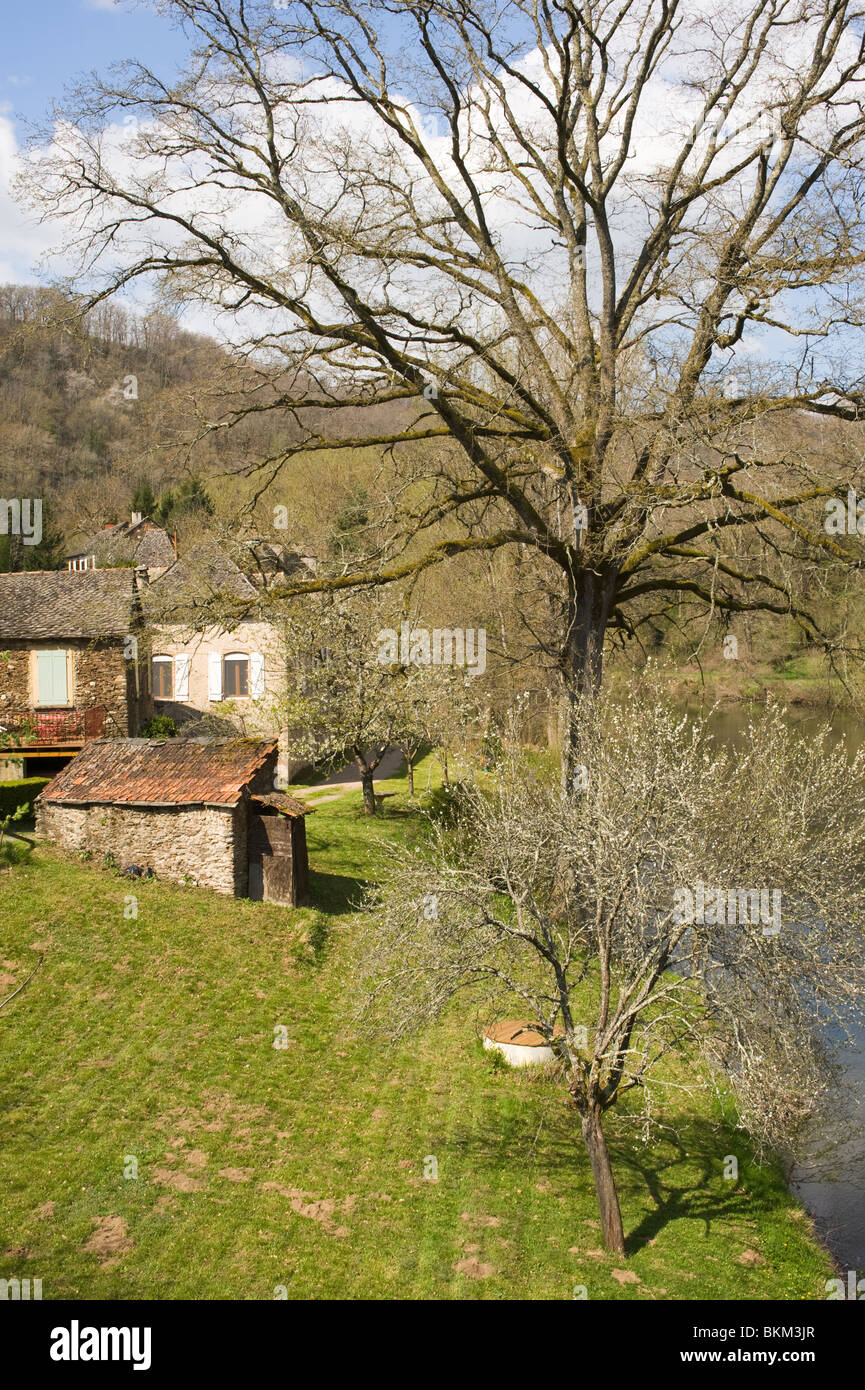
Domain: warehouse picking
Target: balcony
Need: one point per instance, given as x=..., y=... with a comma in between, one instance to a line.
x=51, y=728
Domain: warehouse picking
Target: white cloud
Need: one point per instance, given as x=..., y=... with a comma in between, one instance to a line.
x=22, y=239
x=341, y=131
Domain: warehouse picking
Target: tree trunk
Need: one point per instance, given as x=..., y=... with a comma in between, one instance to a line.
x=368, y=791
x=445, y=777
x=589, y=609
x=410, y=767
x=605, y=1184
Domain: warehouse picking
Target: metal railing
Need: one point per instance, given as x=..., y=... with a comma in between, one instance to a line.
x=46, y=728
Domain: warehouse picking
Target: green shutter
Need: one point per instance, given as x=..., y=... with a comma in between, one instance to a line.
x=51, y=677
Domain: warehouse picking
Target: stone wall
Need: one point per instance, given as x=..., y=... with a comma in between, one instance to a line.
x=204, y=843
x=99, y=675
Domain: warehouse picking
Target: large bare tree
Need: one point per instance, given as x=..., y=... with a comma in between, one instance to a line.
x=529, y=238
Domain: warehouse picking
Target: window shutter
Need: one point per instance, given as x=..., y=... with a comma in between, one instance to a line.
x=256, y=676
x=181, y=678
x=51, y=678
x=214, y=685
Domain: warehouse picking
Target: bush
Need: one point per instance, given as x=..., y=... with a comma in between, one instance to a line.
x=160, y=726
x=448, y=803
x=22, y=792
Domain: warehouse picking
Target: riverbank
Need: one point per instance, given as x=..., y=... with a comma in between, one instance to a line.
x=801, y=682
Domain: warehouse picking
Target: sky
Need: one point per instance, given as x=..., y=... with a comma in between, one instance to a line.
x=43, y=47
x=45, y=44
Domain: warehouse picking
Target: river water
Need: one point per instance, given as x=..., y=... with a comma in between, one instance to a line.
x=829, y=1176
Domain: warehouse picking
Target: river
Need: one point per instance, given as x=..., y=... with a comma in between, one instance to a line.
x=829, y=1177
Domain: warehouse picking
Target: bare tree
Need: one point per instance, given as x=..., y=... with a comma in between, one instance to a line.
x=535, y=235
x=687, y=901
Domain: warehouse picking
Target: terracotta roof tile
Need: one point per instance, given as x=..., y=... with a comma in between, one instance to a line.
x=159, y=772
x=520, y=1033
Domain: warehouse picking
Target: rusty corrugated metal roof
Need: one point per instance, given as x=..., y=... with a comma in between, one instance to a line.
x=160, y=772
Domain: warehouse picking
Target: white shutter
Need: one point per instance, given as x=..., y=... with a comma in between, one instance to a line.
x=256, y=676
x=181, y=678
x=51, y=687
x=214, y=683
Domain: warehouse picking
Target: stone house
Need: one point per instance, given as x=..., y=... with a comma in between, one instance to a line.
x=216, y=665
x=194, y=809
x=73, y=665
x=139, y=543
x=214, y=654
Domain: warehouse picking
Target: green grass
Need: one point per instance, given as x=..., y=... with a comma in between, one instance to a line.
x=152, y=1038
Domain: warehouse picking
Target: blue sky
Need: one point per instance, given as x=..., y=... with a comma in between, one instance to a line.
x=45, y=44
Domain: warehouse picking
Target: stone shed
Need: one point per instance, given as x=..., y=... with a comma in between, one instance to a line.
x=189, y=809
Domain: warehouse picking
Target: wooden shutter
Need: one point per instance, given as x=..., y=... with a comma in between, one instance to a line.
x=181, y=678
x=51, y=684
x=256, y=676
x=214, y=685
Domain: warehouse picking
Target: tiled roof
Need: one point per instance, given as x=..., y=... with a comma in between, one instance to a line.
x=130, y=542
x=160, y=772
x=281, y=801
x=67, y=603
x=197, y=582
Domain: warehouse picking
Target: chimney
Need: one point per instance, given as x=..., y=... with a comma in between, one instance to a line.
x=137, y=517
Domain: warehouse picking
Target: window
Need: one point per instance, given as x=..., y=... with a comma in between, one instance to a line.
x=82, y=562
x=163, y=678
x=235, y=676
x=52, y=686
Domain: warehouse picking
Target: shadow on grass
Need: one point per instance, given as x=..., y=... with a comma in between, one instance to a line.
x=677, y=1178
x=679, y=1197
x=335, y=894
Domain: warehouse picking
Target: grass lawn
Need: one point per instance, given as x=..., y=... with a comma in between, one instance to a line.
x=152, y=1039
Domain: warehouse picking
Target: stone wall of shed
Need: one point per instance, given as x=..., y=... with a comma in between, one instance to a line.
x=204, y=843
